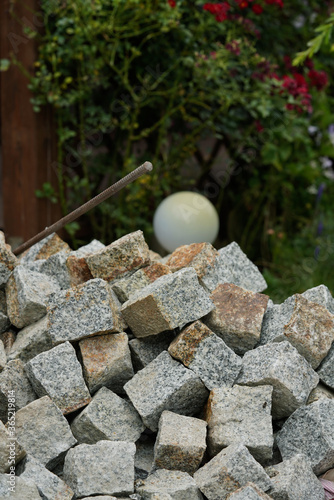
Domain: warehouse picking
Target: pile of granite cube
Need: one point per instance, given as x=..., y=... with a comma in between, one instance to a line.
x=127, y=375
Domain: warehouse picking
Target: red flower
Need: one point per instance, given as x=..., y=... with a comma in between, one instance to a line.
x=318, y=79
x=259, y=127
x=279, y=3
x=220, y=10
x=243, y=4
x=257, y=9
x=172, y=3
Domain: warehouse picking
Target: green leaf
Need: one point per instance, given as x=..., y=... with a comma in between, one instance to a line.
x=4, y=64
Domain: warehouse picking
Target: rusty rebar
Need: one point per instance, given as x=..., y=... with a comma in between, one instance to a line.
x=110, y=191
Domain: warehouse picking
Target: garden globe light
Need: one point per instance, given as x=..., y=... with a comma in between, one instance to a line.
x=183, y=218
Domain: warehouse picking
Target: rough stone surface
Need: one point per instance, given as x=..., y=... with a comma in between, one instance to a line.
x=43, y=249
x=309, y=430
x=180, y=443
x=273, y=364
x=30, y=341
x=8, y=262
x=171, y=301
x=169, y=484
x=241, y=415
x=237, y=316
x=57, y=373
x=320, y=392
x=44, y=432
x=13, y=378
x=26, y=293
x=55, y=266
x=22, y=489
x=77, y=265
x=326, y=369
x=3, y=356
x=106, y=361
x=50, y=486
x=125, y=288
x=104, y=468
x=82, y=311
x=107, y=417
x=146, y=349
x=11, y=452
x=165, y=384
x=207, y=355
x=294, y=479
x=244, y=272
x=320, y=295
x=249, y=492
x=8, y=339
x=4, y=320
x=275, y=317
x=231, y=469
x=120, y=258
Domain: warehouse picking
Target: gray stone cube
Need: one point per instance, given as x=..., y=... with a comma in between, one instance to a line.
x=280, y=365
x=180, y=443
x=30, y=341
x=54, y=266
x=320, y=295
x=11, y=452
x=165, y=384
x=106, y=361
x=169, y=302
x=326, y=369
x=241, y=415
x=309, y=430
x=3, y=356
x=82, y=311
x=237, y=316
x=8, y=262
x=120, y=258
x=169, y=484
x=107, y=417
x=50, y=486
x=17, y=488
x=27, y=294
x=294, y=479
x=44, y=432
x=43, y=249
x=231, y=469
x=249, y=492
x=4, y=320
x=207, y=355
x=104, y=468
x=77, y=265
x=57, y=373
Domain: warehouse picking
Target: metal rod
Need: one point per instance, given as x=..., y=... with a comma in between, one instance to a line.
x=110, y=191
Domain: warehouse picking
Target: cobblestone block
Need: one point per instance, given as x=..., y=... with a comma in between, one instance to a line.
x=120, y=258
x=244, y=272
x=125, y=288
x=326, y=369
x=231, y=469
x=43, y=249
x=11, y=452
x=57, y=373
x=320, y=295
x=146, y=349
x=249, y=492
x=237, y=316
x=104, y=468
x=106, y=361
x=273, y=364
x=13, y=379
x=165, y=384
x=107, y=417
x=169, y=484
x=309, y=430
x=8, y=262
x=170, y=302
x=55, y=266
x=50, y=486
x=180, y=443
x=27, y=294
x=320, y=392
x=30, y=341
x=241, y=415
x=4, y=320
x=77, y=265
x=293, y=479
x=17, y=489
x=3, y=356
x=207, y=355
x=82, y=311
x=44, y=432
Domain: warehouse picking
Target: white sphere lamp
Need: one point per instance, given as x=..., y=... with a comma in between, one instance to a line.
x=183, y=218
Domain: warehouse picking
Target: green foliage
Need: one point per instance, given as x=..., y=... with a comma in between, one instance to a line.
x=314, y=45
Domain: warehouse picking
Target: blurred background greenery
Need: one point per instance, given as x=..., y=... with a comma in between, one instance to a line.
x=208, y=93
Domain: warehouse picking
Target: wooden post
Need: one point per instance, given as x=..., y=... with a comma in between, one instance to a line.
x=28, y=140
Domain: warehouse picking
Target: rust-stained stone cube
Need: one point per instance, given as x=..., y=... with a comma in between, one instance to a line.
x=120, y=258
x=180, y=443
x=77, y=265
x=57, y=373
x=8, y=262
x=206, y=354
x=44, y=249
x=83, y=311
x=126, y=287
x=106, y=361
x=237, y=316
x=171, y=301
